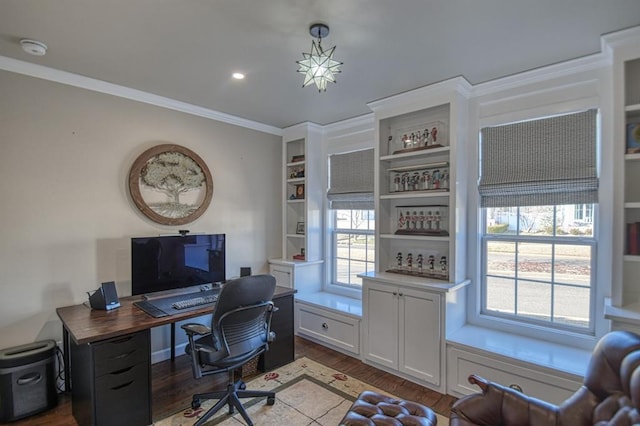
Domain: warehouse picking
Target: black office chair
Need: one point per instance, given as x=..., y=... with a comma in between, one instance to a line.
x=240, y=331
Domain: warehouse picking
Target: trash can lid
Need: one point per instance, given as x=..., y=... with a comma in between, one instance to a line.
x=26, y=354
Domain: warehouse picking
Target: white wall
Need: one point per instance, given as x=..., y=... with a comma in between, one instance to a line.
x=66, y=217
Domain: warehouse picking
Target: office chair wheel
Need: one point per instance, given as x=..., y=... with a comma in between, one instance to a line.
x=195, y=404
x=271, y=400
x=242, y=386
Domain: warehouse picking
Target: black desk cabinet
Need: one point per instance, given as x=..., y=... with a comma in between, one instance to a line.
x=282, y=350
x=111, y=381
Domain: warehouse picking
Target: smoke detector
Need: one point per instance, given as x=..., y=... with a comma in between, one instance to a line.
x=33, y=47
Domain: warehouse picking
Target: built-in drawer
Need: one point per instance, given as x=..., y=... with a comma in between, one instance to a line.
x=548, y=386
x=339, y=331
x=120, y=353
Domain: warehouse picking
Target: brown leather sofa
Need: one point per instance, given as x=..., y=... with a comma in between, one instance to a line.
x=609, y=395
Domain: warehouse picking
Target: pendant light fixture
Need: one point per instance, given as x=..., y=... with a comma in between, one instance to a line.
x=318, y=66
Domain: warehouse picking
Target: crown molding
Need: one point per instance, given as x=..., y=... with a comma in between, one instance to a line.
x=76, y=80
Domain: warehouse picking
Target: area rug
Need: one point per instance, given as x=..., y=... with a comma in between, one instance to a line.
x=307, y=393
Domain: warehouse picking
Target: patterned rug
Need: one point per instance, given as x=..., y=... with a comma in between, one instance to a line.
x=307, y=393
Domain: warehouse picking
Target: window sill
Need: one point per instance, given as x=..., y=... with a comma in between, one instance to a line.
x=333, y=302
x=547, y=356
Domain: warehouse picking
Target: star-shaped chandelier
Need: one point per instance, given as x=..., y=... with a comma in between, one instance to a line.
x=319, y=66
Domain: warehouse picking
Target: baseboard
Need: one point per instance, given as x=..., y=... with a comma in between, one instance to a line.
x=165, y=354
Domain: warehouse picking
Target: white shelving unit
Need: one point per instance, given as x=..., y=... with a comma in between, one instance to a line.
x=420, y=209
x=300, y=266
x=624, y=306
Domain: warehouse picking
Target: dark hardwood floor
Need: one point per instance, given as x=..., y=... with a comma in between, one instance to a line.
x=173, y=386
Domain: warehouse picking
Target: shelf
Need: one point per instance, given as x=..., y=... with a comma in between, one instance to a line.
x=443, y=238
x=631, y=258
x=634, y=205
x=297, y=200
x=419, y=167
x=415, y=154
x=295, y=235
x=296, y=180
x=632, y=108
x=416, y=194
x=632, y=157
x=296, y=164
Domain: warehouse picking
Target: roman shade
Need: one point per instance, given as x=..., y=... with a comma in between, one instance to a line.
x=550, y=161
x=351, y=180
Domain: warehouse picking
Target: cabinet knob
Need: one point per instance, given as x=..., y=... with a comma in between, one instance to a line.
x=394, y=293
x=325, y=326
x=400, y=294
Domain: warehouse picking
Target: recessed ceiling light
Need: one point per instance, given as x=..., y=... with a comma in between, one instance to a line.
x=33, y=47
x=238, y=76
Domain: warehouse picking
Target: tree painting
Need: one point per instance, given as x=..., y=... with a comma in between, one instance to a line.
x=173, y=174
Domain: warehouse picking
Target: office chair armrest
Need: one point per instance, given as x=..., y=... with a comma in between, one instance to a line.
x=194, y=328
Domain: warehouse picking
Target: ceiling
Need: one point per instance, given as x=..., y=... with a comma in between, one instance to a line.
x=187, y=49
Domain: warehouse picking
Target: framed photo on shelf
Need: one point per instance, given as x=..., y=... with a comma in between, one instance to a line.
x=300, y=191
x=300, y=228
x=633, y=138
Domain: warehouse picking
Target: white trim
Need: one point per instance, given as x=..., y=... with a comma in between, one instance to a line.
x=75, y=80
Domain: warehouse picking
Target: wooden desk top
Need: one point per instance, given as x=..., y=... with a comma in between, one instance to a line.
x=86, y=325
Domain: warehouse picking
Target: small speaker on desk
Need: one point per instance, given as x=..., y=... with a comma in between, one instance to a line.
x=105, y=298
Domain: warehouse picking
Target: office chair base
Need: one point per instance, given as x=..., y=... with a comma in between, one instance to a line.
x=230, y=397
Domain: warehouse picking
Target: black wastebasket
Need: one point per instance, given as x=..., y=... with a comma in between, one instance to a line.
x=27, y=380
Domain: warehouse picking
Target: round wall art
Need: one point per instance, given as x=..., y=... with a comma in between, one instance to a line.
x=170, y=184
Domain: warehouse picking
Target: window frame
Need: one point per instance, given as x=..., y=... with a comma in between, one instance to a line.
x=514, y=319
x=337, y=286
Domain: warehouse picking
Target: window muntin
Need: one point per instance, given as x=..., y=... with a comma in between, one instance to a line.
x=538, y=266
x=353, y=243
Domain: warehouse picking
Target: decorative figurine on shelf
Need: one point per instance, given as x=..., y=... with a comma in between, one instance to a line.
x=426, y=180
x=429, y=220
x=406, y=142
x=419, y=261
x=434, y=134
x=409, y=261
x=421, y=220
x=436, y=219
x=407, y=219
x=401, y=221
x=405, y=181
x=292, y=196
x=396, y=182
x=445, y=179
x=436, y=179
x=415, y=181
x=390, y=144
x=399, y=259
x=443, y=265
x=431, y=262
x=425, y=137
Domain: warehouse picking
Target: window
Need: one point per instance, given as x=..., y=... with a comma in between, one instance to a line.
x=538, y=266
x=538, y=192
x=350, y=197
x=353, y=246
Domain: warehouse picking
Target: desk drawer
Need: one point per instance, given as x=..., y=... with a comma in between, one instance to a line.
x=337, y=330
x=122, y=398
x=120, y=353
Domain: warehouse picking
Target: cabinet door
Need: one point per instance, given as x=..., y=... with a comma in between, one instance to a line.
x=419, y=335
x=282, y=274
x=381, y=336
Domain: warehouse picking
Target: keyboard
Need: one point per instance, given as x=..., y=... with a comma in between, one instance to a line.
x=195, y=301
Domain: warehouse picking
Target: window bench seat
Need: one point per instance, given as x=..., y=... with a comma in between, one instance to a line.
x=545, y=370
x=329, y=319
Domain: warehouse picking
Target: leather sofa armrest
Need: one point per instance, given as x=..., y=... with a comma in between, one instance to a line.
x=498, y=404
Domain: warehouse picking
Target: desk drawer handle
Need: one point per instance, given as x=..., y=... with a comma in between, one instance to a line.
x=325, y=326
x=122, y=386
x=124, y=355
x=122, y=340
x=124, y=370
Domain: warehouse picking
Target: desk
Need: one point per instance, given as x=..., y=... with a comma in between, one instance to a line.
x=100, y=345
